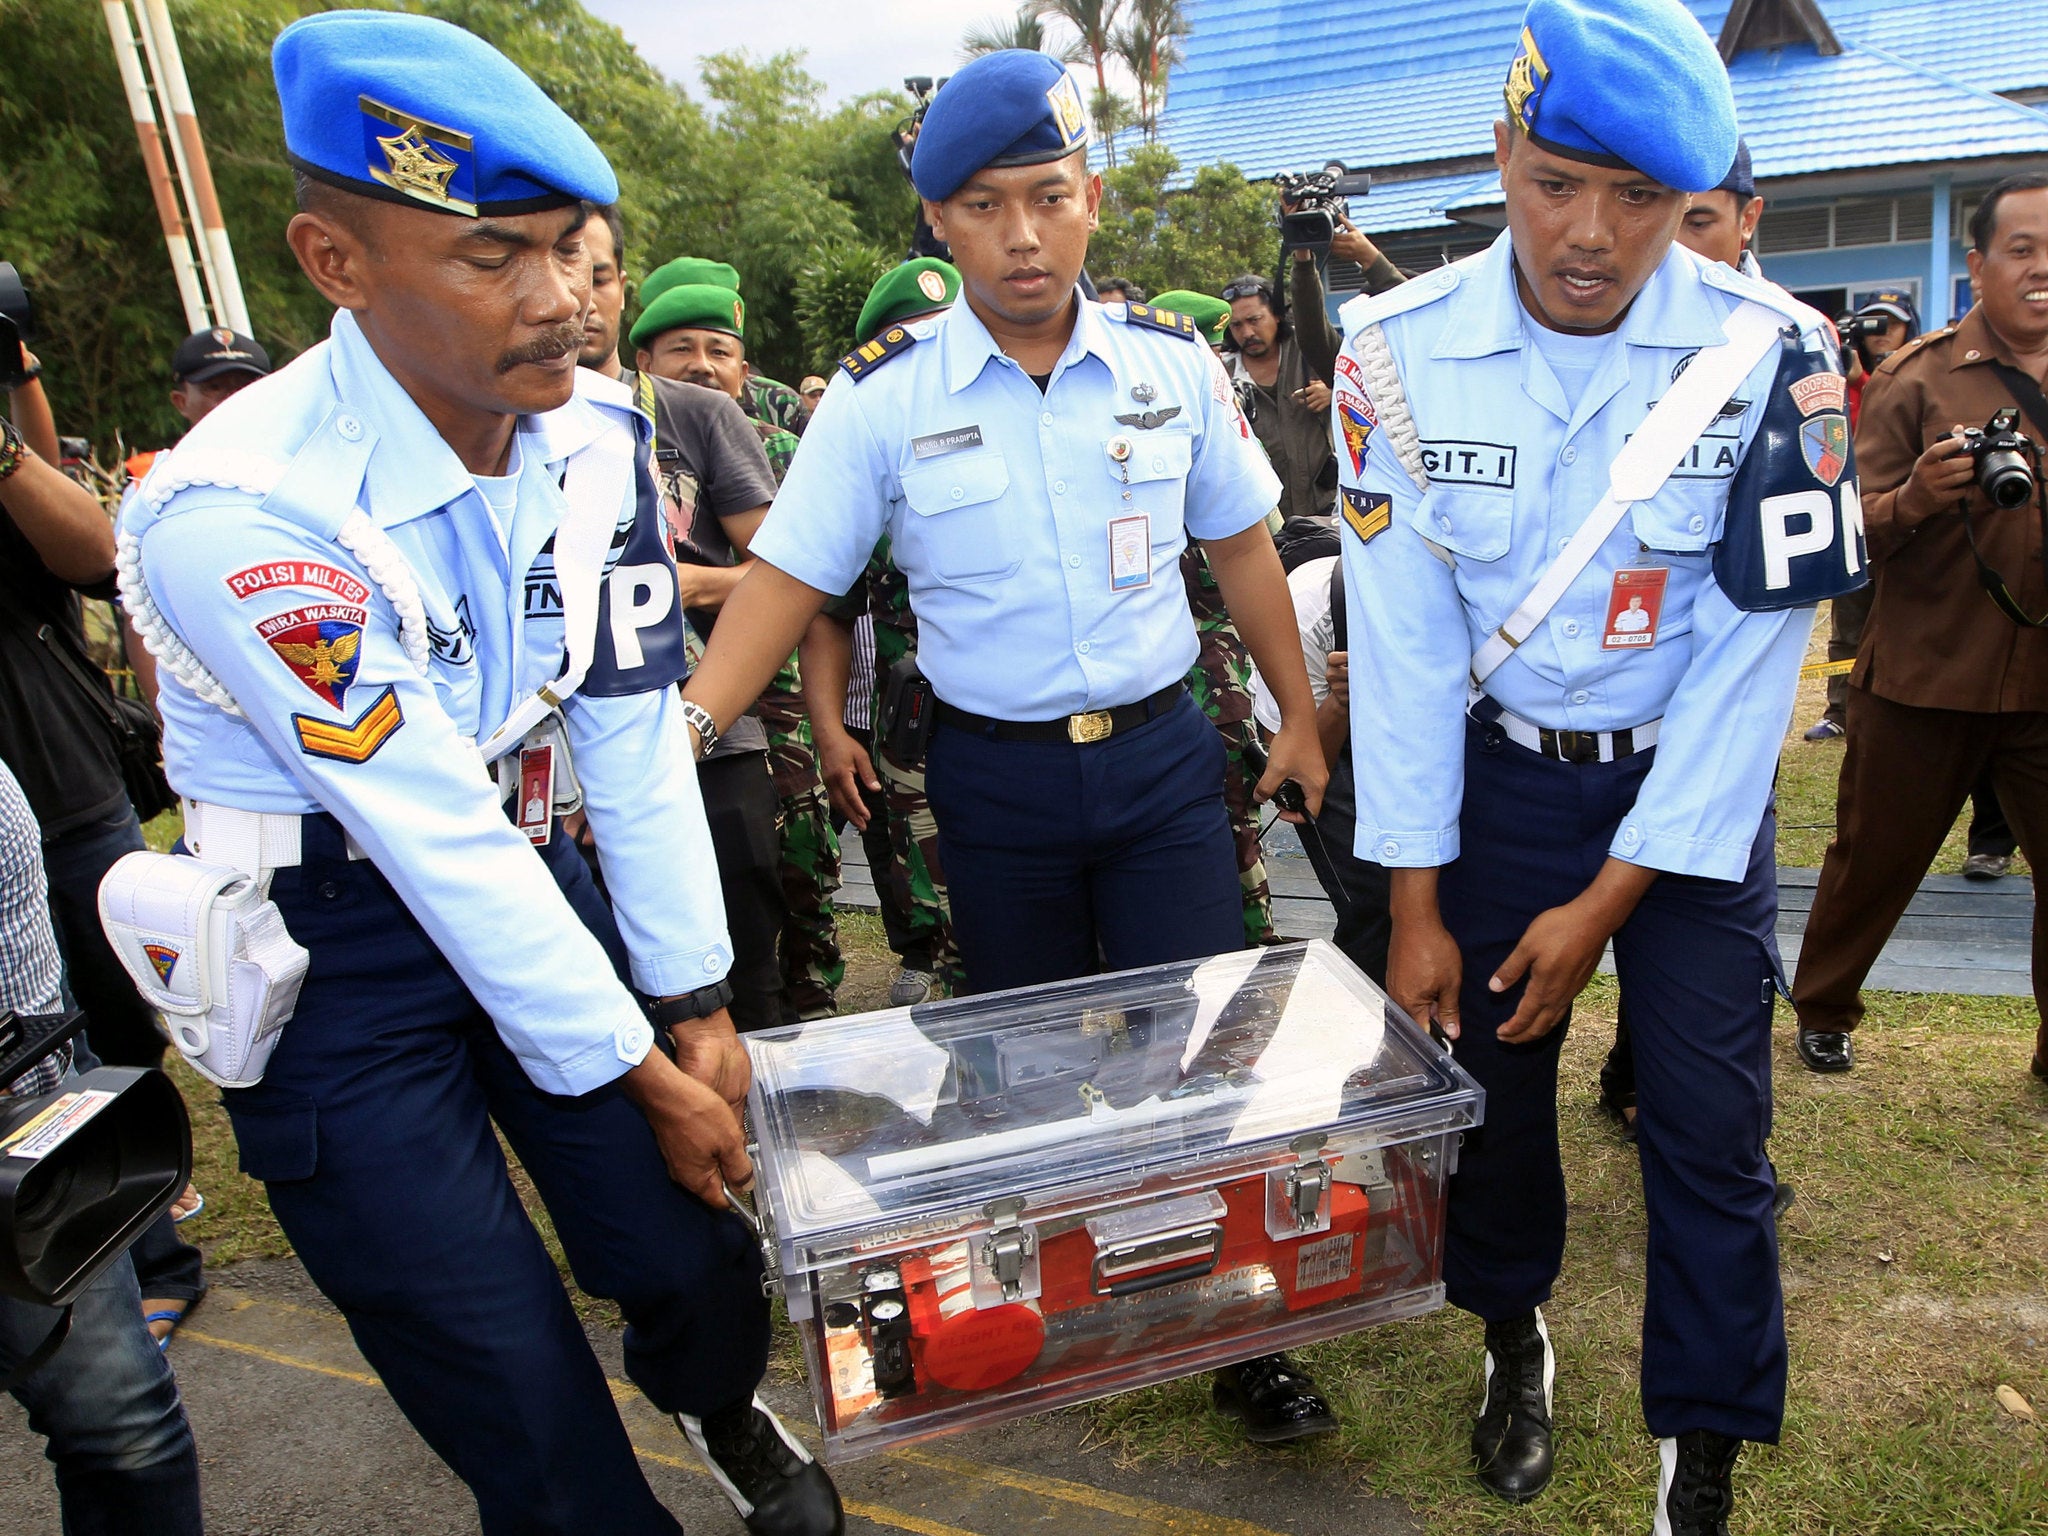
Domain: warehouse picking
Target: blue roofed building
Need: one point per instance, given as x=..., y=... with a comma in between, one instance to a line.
x=1874, y=125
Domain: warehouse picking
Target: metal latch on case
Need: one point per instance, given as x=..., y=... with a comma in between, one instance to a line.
x=1009, y=1257
x=1298, y=1198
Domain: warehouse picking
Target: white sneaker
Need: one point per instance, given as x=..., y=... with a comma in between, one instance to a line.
x=908, y=988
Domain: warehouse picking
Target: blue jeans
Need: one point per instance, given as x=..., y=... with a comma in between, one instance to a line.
x=107, y=1404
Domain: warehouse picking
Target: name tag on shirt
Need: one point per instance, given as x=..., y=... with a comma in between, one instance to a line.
x=1130, y=553
x=1633, y=606
x=933, y=444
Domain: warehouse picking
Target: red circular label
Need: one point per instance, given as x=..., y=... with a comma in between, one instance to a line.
x=977, y=1349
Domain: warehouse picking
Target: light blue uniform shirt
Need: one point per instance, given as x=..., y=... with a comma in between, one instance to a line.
x=1514, y=470
x=234, y=580
x=999, y=503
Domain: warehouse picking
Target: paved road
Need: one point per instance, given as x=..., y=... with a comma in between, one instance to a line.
x=297, y=1438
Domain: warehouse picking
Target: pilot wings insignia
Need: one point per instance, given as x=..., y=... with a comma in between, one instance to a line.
x=1147, y=421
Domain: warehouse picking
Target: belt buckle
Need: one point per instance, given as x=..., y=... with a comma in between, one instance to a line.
x=1579, y=746
x=1092, y=726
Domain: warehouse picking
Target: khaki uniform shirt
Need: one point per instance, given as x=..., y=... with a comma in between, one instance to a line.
x=1935, y=639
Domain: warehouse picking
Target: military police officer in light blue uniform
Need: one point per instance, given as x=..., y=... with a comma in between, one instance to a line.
x=1583, y=587
x=430, y=543
x=1039, y=462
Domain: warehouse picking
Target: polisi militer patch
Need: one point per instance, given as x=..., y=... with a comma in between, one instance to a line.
x=1168, y=320
x=864, y=360
x=356, y=743
x=1367, y=513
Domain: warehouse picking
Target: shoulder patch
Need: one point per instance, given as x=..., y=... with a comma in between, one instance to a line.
x=864, y=360
x=1171, y=321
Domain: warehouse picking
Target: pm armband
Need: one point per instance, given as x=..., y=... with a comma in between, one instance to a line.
x=1794, y=530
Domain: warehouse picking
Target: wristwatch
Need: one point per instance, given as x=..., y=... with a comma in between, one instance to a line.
x=667, y=1012
x=701, y=722
x=12, y=449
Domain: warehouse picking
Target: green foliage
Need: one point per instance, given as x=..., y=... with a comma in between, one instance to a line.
x=766, y=179
x=829, y=294
x=1198, y=236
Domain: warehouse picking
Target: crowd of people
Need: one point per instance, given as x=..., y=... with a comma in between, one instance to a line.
x=536, y=666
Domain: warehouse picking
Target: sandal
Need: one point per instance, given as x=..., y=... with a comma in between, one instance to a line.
x=198, y=1204
x=175, y=1315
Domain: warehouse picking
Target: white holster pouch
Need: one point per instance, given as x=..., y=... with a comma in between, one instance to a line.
x=207, y=947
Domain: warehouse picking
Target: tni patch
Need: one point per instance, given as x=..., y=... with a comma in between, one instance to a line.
x=1367, y=513
x=323, y=646
x=1355, y=416
x=356, y=743
x=162, y=959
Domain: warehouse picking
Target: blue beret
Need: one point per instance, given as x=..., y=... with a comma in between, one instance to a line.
x=413, y=110
x=1741, y=178
x=1631, y=84
x=1006, y=108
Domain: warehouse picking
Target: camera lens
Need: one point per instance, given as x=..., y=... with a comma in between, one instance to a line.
x=2007, y=479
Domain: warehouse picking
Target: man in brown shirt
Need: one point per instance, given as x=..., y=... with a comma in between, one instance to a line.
x=1945, y=682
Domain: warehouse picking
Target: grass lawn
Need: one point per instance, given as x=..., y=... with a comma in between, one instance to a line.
x=1915, y=1264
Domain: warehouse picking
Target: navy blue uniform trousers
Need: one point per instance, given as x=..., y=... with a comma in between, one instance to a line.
x=1064, y=859
x=1698, y=968
x=372, y=1129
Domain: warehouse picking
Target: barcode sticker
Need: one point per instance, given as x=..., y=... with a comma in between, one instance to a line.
x=1327, y=1261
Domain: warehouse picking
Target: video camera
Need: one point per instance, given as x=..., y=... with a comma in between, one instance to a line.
x=17, y=325
x=84, y=1169
x=922, y=89
x=1314, y=203
x=2008, y=462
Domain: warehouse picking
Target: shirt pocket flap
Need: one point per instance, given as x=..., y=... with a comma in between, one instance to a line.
x=1680, y=518
x=959, y=480
x=1475, y=524
x=1158, y=456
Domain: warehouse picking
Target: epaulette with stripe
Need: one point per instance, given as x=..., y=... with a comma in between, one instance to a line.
x=864, y=360
x=1170, y=321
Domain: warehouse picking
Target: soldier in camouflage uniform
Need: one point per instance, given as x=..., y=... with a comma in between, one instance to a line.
x=707, y=347
x=1221, y=683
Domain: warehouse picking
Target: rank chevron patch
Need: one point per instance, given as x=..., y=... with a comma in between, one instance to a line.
x=356, y=743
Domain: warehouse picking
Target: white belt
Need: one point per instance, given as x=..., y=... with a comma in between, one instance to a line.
x=254, y=842
x=1567, y=746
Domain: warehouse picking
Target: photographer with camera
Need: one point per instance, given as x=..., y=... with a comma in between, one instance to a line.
x=105, y=1400
x=1286, y=357
x=1952, y=675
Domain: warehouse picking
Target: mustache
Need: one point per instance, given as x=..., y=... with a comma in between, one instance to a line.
x=556, y=341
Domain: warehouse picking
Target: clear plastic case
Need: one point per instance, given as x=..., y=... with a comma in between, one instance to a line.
x=993, y=1206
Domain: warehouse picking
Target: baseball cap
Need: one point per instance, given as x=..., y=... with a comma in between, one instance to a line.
x=208, y=354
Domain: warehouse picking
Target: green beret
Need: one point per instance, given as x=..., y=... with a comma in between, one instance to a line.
x=687, y=269
x=697, y=306
x=1210, y=314
x=915, y=288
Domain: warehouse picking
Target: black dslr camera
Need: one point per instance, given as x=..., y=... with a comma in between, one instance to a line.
x=17, y=325
x=2008, y=462
x=1314, y=203
x=83, y=1170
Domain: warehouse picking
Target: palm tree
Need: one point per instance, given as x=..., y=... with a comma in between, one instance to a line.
x=1025, y=31
x=1149, y=45
x=1094, y=24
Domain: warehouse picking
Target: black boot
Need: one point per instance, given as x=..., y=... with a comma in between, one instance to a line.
x=769, y=1477
x=1511, y=1440
x=1694, y=1492
x=1826, y=1050
x=1275, y=1399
